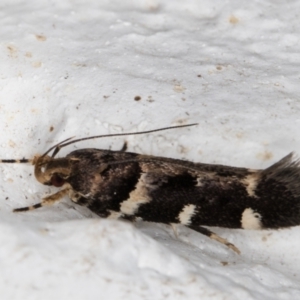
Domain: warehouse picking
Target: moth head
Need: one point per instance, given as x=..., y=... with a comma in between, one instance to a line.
x=51, y=171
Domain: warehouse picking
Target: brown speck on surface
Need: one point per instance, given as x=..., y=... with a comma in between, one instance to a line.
x=153, y=7
x=178, y=88
x=11, y=143
x=40, y=37
x=199, y=76
x=265, y=237
x=233, y=20
x=51, y=128
x=44, y=231
x=6, y=198
x=218, y=67
x=182, y=150
x=36, y=64
x=181, y=121
x=266, y=155
x=224, y=263
x=137, y=98
x=239, y=135
x=105, y=97
x=12, y=51
x=77, y=64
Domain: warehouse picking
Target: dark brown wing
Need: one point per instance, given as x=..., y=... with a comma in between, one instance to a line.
x=168, y=190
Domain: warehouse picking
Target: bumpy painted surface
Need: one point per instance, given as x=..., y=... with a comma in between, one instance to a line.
x=74, y=68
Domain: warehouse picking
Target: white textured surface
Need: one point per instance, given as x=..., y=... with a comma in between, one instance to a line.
x=232, y=66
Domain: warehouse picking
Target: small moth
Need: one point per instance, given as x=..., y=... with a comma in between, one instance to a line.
x=131, y=186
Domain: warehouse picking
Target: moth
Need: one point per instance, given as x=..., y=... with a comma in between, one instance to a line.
x=132, y=186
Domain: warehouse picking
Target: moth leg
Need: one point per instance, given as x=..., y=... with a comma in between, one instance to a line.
x=49, y=200
x=215, y=237
x=124, y=147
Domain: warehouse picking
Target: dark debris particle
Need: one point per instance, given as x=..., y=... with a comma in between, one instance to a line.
x=137, y=98
x=51, y=128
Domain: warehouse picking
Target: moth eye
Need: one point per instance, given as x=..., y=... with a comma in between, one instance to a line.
x=57, y=180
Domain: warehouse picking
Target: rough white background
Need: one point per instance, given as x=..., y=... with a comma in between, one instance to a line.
x=74, y=68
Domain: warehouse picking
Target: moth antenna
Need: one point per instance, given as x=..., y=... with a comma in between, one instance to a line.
x=30, y=160
x=62, y=144
x=16, y=161
x=57, y=146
